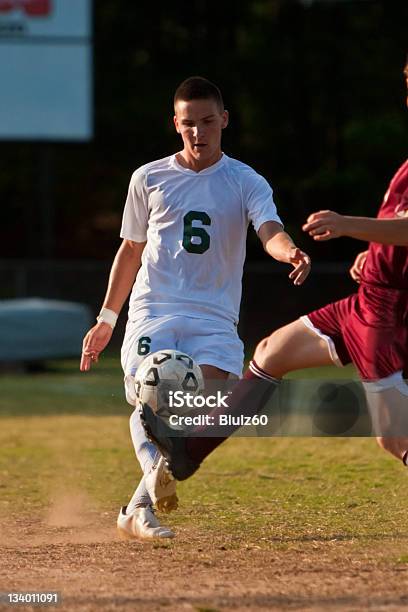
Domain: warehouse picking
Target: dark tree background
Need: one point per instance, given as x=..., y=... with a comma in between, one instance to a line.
x=316, y=99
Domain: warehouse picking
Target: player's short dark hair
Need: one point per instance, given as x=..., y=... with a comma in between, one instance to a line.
x=198, y=88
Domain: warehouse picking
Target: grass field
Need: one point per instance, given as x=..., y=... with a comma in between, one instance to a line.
x=268, y=523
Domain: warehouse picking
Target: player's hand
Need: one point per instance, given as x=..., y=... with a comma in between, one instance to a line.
x=94, y=342
x=325, y=225
x=358, y=265
x=301, y=265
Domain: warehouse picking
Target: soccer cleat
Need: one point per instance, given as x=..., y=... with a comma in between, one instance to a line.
x=141, y=524
x=173, y=449
x=161, y=486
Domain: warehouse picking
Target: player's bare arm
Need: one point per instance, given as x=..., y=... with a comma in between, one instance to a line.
x=327, y=224
x=122, y=276
x=279, y=245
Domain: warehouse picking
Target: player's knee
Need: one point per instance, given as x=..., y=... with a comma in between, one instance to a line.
x=130, y=390
x=381, y=441
x=268, y=357
x=388, y=444
x=134, y=420
x=137, y=432
x=265, y=354
x=261, y=350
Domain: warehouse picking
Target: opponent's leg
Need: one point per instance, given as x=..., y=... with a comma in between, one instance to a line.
x=387, y=400
x=292, y=347
x=289, y=348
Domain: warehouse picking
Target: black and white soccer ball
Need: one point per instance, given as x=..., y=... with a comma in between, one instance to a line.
x=164, y=373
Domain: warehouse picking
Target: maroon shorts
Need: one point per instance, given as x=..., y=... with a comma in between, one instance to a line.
x=370, y=329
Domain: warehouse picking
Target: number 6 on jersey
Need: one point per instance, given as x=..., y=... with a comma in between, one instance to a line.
x=191, y=231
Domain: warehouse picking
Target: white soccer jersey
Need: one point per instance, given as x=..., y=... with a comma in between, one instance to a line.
x=195, y=224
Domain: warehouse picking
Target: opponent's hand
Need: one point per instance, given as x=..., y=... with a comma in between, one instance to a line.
x=325, y=225
x=93, y=344
x=301, y=265
x=358, y=265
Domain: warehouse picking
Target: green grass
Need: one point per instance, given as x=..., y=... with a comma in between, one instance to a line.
x=64, y=430
x=64, y=389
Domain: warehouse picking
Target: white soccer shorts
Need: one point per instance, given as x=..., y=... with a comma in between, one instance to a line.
x=208, y=342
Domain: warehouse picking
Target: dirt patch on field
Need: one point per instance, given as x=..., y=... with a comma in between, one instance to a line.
x=93, y=570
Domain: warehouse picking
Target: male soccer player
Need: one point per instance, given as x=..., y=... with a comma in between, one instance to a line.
x=184, y=231
x=369, y=328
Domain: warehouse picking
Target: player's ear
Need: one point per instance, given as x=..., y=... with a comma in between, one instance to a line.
x=225, y=119
x=176, y=124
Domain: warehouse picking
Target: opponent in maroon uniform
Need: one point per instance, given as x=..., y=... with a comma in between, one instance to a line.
x=369, y=328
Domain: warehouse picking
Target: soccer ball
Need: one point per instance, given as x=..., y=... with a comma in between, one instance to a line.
x=164, y=373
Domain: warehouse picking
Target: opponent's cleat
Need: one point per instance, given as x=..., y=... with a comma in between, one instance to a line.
x=171, y=445
x=161, y=486
x=141, y=524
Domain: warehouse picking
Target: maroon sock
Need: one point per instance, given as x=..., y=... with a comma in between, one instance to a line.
x=248, y=398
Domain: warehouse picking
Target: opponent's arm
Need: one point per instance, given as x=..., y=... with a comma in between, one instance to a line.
x=358, y=265
x=279, y=245
x=326, y=224
x=122, y=276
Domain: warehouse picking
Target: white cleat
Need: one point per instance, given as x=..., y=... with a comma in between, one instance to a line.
x=161, y=486
x=141, y=524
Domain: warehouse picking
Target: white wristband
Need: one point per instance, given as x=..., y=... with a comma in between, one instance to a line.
x=107, y=316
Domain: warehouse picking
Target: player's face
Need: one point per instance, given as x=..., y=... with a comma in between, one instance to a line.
x=200, y=124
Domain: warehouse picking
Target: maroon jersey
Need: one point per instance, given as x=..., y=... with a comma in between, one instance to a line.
x=387, y=265
x=370, y=327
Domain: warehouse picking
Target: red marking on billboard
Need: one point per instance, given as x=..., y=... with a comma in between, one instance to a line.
x=37, y=8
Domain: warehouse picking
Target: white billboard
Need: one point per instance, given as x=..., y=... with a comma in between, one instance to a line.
x=46, y=70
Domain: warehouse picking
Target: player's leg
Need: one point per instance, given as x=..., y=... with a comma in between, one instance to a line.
x=376, y=336
x=217, y=348
x=211, y=372
x=387, y=400
x=141, y=339
x=160, y=482
x=292, y=347
x=147, y=455
x=297, y=345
